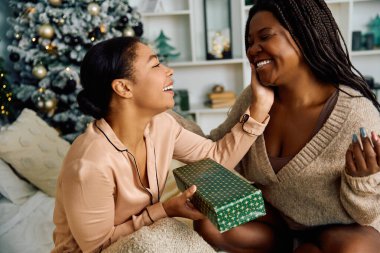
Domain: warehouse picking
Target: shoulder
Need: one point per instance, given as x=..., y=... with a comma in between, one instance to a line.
x=88, y=155
x=361, y=111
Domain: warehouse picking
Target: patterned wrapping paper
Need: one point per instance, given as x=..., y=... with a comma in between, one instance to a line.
x=224, y=197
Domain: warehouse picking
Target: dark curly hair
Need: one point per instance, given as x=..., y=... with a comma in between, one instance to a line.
x=104, y=62
x=313, y=27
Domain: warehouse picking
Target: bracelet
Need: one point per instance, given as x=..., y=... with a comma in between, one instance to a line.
x=149, y=215
x=244, y=118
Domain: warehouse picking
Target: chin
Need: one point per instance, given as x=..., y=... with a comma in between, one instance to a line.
x=268, y=84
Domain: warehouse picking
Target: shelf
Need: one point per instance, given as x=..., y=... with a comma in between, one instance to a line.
x=205, y=63
x=337, y=1
x=164, y=14
x=204, y=109
x=365, y=52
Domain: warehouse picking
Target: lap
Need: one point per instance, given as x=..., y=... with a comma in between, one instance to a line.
x=340, y=239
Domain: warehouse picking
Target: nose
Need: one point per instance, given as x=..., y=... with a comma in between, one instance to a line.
x=254, y=50
x=169, y=71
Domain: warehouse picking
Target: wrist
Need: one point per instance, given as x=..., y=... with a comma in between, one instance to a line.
x=166, y=207
x=258, y=115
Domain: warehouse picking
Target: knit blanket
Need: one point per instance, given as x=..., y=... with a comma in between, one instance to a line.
x=166, y=235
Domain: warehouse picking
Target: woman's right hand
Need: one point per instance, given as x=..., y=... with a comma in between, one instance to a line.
x=262, y=97
x=180, y=206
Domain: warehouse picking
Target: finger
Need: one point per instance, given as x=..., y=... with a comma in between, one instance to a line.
x=189, y=192
x=369, y=152
x=194, y=214
x=350, y=164
x=376, y=146
x=361, y=166
x=254, y=78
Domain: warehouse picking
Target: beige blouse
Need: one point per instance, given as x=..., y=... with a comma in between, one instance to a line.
x=99, y=196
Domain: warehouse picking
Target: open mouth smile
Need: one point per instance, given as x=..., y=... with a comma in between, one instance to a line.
x=262, y=63
x=168, y=88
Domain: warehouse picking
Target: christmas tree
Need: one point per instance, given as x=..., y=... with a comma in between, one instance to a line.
x=49, y=39
x=5, y=96
x=164, y=50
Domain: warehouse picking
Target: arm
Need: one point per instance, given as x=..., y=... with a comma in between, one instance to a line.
x=228, y=151
x=88, y=199
x=360, y=191
x=237, y=137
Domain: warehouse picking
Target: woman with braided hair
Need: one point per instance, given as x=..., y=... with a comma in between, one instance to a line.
x=313, y=169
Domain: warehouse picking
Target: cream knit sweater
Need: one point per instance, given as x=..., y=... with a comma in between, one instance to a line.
x=313, y=188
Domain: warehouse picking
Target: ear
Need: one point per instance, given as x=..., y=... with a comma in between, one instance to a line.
x=122, y=87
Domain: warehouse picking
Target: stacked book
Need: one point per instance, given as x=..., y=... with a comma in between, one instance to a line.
x=221, y=99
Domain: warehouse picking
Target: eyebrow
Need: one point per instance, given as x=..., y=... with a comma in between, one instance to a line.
x=260, y=31
x=153, y=56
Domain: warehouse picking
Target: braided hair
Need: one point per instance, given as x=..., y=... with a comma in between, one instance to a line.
x=313, y=27
x=104, y=62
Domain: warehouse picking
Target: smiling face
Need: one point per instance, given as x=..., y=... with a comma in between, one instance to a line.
x=272, y=50
x=153, y=84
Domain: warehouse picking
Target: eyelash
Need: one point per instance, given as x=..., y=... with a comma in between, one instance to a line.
x=156, y=66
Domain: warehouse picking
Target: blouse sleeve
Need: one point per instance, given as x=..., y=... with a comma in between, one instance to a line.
x=88, y=198
x=228, y=151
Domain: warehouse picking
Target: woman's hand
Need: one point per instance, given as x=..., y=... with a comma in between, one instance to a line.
x=180, y=206
x=363, y=162
x=262, y=97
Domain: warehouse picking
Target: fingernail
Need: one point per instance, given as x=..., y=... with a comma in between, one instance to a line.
x=354, y=138
x=363, y=132
x=374, y=136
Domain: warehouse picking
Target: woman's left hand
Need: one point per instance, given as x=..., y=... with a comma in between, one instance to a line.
x=362, y=162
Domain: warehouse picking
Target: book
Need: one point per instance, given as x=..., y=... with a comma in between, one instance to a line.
x=225, y=94
x=220, y=103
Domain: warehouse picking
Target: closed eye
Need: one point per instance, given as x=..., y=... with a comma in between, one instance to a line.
x=264, y=37
x=156, y=66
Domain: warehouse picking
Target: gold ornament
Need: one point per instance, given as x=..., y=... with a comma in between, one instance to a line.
x=55, y=2
x=51, y=48
x=93, y=9
x=39, y=71
x=46, y=31
x=128, y=32
x=50, y=104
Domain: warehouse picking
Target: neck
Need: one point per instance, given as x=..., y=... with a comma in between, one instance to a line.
x=305, y=91
x=129, y=126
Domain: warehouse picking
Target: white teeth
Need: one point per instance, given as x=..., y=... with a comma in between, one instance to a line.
x=169, y=87
x=262, y=63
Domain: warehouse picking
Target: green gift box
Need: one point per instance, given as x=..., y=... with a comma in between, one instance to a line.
x=224, y=197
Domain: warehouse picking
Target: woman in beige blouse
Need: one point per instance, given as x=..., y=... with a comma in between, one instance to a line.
x=114, y=174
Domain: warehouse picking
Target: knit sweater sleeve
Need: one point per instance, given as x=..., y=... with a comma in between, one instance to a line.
x=242, y=102
x=360, y=196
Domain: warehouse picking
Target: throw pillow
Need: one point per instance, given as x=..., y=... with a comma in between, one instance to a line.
x=34, y=149
x=12, y=187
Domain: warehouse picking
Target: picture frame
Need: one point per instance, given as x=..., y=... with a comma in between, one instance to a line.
x=217, y=16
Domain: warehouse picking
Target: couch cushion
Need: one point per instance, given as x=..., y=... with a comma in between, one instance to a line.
x=34, y=149
x=12, y=187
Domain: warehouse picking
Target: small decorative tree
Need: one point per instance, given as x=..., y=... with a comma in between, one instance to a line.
x=164, y=50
